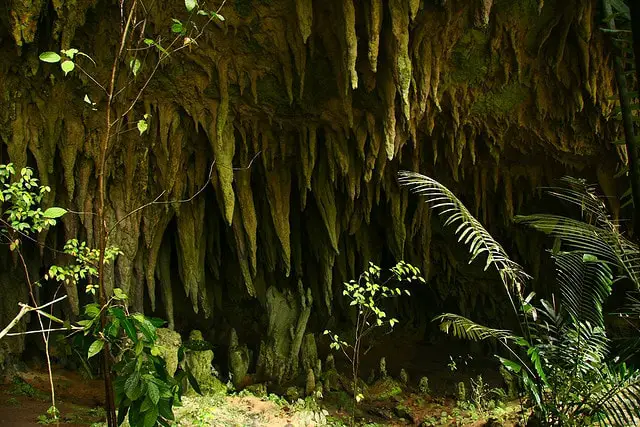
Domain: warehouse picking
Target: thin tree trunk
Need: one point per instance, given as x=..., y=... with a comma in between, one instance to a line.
x=633, y=150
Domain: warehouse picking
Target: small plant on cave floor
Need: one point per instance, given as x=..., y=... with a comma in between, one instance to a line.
x=367, y=295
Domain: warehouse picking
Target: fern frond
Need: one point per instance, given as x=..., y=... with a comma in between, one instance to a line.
x=461, y=327
x=469, y=230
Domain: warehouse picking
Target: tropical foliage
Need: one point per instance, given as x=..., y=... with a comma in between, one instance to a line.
x=144, y=390
x=562, y=356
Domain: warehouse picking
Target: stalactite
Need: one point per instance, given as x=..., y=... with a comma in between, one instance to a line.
x=402, y=61
x=155, y=221
x=374, y=14
x=191, y=253
x=279, y=196
x=163, y=271
x=349, y=12
x=224, y=143
x=325, y=199
x=304, y=11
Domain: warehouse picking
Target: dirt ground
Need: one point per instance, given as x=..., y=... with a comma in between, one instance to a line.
x=27, y=396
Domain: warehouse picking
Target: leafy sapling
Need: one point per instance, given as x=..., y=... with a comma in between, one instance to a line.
x=367, y=295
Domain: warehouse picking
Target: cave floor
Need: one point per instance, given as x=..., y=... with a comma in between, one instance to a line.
x=24, y=402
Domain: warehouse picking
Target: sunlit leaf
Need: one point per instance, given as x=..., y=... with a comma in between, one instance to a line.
x=54, y=212
x=142, y=126
x=50, y=57
x=67, y=67
x=95, y=348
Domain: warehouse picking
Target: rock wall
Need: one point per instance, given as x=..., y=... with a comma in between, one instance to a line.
x=307, y=109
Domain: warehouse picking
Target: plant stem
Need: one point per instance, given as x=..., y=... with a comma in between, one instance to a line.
x=633, y=149
x=45, y=339
x=106, y=359
x=24, y=310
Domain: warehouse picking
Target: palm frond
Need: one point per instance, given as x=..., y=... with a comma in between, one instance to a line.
x=576, y=191
x=605, y=244
x=461, y=327
x=585, y=283
x=469, y=230
x=618, y=396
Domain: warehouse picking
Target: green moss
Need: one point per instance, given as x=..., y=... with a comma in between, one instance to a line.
x=470, y=58
x=271, y=91
x=502, y=102
x=384, y=389
x=517, y=8
x=243, y=7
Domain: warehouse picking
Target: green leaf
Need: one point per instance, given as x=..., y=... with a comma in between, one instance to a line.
x=122, y=413
x=194, y=383
x=190, y=4
x=510, y=365
x=177, y=26
x=146, y=405
x=128, y=327
x=92, y=310
x=50, y=57
x=220, y=17
x=131, y=383
x=164, y=408
x=135, y=64
x=157, y=322
x=95, y=348
x=70, y=52
x=153, y=393
x=118, y=294
x=142, y=126
x=54, y=212
x=67, y=67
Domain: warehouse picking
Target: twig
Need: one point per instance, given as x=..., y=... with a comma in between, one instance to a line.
x=92, y=78
x=166, y=202
x=24, y=310
x=72, y=328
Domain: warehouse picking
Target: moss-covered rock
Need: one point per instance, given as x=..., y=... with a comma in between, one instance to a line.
x=238, y=360
x=199, y=363
x=169, y=342
x=383, y=389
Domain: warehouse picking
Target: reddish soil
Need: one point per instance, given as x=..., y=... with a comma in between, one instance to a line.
x=76, y=398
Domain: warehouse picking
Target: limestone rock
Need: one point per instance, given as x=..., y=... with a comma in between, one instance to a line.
x=292, y=394
x=461, y=392
x=169, y=342
x=423, y=385
x=288, y=316
x=199, y=363
x=511, y=382
x=309, y=353
x=310, y=384
x=330, y=363
x=258, y=390
x=384, y=388
x=383, y=368
x=238, y=360
x=404, y=377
